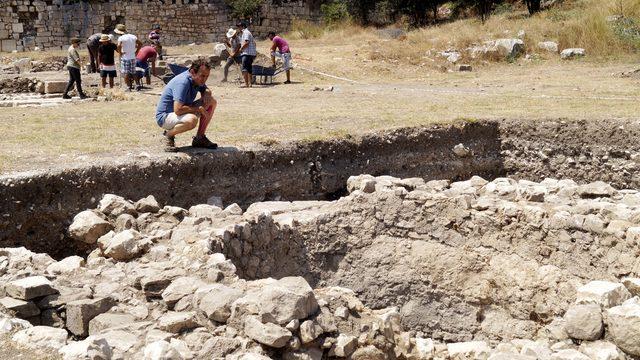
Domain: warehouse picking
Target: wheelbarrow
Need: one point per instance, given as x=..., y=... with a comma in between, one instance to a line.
x=175, y=70
x=264, y=75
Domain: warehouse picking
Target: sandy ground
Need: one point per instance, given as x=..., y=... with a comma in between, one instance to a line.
x=373, y=95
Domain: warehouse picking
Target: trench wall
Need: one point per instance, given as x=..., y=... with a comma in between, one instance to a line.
x=36, y=209
x=47, y=24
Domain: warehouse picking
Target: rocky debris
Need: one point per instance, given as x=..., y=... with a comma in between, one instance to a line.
x=18, y=85
x=213, y=283
x=499, y=49
x=549, y=46
x=452, y=56
x=88, y=226
x=54, y=63
x=572, y=53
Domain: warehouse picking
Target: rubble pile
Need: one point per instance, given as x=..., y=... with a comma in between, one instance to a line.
x=19, y=84
x=397, y=269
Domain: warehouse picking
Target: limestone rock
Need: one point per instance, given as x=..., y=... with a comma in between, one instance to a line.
x=632, y=285
x=309, y=331
x=123, y=246
x=623, y=325
x=115, y=205
x=369, y=352
x=66, y=265
x=30, y=287
x=147, y=205
x=39, y=337
x=215, y=301
x=345, y=345
x=601, y=350
x=91, y=348
x=176, y=322
x=572, y=53
x=584, y=322
x=87, y=227
x=604, y=293
x=180, y=288
x=108, y=320
x=287, y=299
x=468, y=350
x=161, y=350
x=268, y=334
x=569, y=354
x=80, y=312
x=549, y=46
x=23, y=309
x=9, y=325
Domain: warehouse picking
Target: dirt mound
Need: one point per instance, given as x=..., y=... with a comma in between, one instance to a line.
x=17, y=85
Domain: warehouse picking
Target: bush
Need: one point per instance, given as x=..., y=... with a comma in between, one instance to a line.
x=335, y=12
x=244, y=8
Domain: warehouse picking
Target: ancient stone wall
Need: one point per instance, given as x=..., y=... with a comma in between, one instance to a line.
x=47, y=24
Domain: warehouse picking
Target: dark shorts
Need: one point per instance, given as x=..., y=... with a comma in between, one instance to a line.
x=109, y=73
x=144, y=65
x=247, y=63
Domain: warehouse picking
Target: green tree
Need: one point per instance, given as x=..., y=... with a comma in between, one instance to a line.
x=244, y=8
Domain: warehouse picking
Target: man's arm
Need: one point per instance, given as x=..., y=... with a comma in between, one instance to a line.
x=153, y=65
x=207, y=97
x=119, y=48
x=273, y=47
x=181, y=109
x=138, y=46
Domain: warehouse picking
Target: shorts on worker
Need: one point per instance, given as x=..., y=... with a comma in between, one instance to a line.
x=170, y=120
x=247, y=63
x=128, y=66
x=286, y=59
x=144, y=65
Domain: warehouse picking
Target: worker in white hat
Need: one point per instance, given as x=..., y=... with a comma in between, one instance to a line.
x=233, y=46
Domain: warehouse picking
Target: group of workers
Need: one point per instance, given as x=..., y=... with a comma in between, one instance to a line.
x=178, y=110
x=136, y=59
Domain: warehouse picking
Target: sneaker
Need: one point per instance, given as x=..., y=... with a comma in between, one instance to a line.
x=287, y=82
x=169, y=143
x=65, y=96
x=83, y=96
x=203, y=142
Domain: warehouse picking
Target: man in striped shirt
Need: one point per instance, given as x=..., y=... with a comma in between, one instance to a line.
x=248, y=52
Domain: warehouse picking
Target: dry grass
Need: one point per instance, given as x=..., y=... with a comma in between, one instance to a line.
x=579, y=23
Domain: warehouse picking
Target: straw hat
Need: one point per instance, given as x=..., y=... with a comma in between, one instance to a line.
x=104, y=38
x=231, y=32
x=120, y=29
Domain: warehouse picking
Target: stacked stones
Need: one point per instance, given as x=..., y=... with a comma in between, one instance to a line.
x=52, y=23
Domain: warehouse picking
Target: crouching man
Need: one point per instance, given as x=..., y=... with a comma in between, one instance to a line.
x=178, y=111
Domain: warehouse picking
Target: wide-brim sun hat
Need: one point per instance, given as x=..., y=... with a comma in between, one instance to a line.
x=104, y=38
x=120, y=29
x=231, y=32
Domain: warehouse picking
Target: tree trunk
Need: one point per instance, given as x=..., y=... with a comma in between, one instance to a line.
x=533, y=6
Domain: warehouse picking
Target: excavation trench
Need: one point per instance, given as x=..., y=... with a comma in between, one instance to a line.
x=429, y=248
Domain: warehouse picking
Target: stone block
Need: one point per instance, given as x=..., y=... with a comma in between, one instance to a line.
x=23, y=309
x=81, y=312
x=176, y=322
x=30, y=287
x=584, y=322
x=55, y=87
x=17, y=28
x=604, y=293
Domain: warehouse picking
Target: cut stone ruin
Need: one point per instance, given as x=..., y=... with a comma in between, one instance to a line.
x=472, y=269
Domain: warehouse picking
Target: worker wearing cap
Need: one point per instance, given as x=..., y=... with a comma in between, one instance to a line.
x=73, y=65
x=233, y=45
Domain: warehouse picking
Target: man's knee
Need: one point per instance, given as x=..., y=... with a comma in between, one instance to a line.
x=191, y=121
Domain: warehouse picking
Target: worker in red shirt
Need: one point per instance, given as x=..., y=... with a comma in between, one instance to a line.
x=147, y=55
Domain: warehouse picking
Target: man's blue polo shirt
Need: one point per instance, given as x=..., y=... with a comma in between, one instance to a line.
x=180, y=88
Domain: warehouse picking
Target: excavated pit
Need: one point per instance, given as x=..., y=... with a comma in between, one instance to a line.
x=495, y=256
